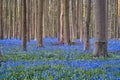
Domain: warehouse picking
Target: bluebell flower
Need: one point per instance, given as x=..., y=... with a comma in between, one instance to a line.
x=53, y=74
x=44, y=74
x=55, y=78
x=1, y=77
x=12, y=78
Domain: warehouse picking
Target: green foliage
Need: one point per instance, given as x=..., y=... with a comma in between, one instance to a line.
x=3, y=59
x=118, y=74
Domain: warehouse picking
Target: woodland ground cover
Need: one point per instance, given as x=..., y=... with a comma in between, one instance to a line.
x=60, y=62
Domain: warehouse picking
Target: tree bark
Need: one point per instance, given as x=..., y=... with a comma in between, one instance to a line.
x=80, y=19
x=62, y=22
x=118, y=30
x=40, y=27
x=58, y=19
x=87, y=23
x=24, y=28
x=66, y=25
x=1, y=21
x=100, y=15
x=46, y=6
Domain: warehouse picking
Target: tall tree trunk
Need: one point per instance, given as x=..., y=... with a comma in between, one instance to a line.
x=71, y=16
x=28, y=19
x=87, y=23
x=80, y=19
x=115, y=18
x=40, y=27
x=24, y=27
x=9, y=7
x=100, y=44
x=6, y=19
x=62, y=22
x=36, y=18
x=118, y=19
x=58, y=19
x=33, y=19
x=74, y=30
x=21, y=18
x=46, y=6
x=67, y=27
x=1, y=21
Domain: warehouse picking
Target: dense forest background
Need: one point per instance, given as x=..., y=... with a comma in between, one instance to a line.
x=12, y=18
x=68, y=19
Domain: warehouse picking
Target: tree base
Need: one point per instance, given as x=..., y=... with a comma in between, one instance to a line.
x=100, y=49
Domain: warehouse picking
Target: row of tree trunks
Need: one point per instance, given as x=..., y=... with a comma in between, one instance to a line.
x=66, y=22
x=14, y=21
x=11, y=21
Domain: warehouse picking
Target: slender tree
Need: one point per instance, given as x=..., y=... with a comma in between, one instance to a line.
x=100, y=44
x=1, y=22
x=36, y=18
x=40, y=27
x=24, y=27
x=71, y=20
x=115, y=18
x=67, y=27
x=80, y=19
x=118, y=29
x=62, y=22
x=46, y=8
x=74, y=31
x=28, y=19
x=1, y=36
x=87, y=23
x=58, y=19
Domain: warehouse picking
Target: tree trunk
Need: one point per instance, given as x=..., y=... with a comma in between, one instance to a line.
x=24, y=28
x=40, y=27
x=1, y=29
x=100, y=44
x=58, y=19
x=71, y=21
x=87, y=23
x=62, y=22
x=66, y=25
x=74, y=30
x=80, y=19
x=1, y=21
x=118, y=30
x=28, y=19
x=46, y=6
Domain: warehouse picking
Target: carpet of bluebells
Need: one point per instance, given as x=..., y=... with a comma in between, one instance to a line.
x=57, y=62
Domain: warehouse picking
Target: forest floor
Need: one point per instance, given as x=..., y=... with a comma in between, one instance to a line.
x=57, y=62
